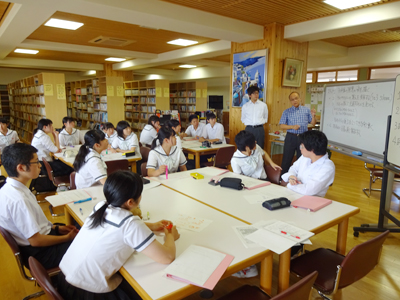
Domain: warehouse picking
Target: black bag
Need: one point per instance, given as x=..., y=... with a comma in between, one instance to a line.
x=233, y=183
x=2, y=181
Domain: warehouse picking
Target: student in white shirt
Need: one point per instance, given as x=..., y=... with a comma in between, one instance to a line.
x=7, y=136
x=89, y=167
x=213, y=131
x=176, y=126
x=70, y=136
x=149, y=132
x=126, y=141
x=195, y=129
x=111, y=134
x=164, y=153
x=313, y=172
x=249, y=158
x=109, y=236
x=21, y=215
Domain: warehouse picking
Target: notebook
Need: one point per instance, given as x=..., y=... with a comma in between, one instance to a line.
x=311, y=202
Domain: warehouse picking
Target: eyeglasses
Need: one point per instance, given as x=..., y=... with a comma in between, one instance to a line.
x=34, y=162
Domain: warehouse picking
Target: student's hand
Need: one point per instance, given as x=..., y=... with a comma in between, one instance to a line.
x=313, y=112
x=172, y=231
x=197, y=137
x=160, y=225
x=162, y=169
x=296, y=127
x=66, y=229
x=59, y=150
x=201, y=139
x=293, y=180
x=72, y=234
x=55, y=133
x=275, y=166
x=112, y=150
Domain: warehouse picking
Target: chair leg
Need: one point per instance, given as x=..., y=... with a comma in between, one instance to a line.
x=35, y=295
x=53, y=214
x=323, y=295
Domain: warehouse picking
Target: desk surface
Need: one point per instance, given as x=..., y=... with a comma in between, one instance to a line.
x=194, y=145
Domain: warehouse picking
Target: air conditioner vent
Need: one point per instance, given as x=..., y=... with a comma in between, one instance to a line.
x=111, y=41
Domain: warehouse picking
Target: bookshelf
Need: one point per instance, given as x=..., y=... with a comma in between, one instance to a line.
x=187, y=98
x=96, y=100
x=5, y=102
x=142, y=98
x=36, y=97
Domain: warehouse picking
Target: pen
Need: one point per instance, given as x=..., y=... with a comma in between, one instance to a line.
x=295, y=236
x=166, y=172
x=81, y=201
x=81, y=211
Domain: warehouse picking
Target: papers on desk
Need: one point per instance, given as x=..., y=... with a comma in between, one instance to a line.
x=68, y=197
x=257, y=198
x=191, y=223
x=199, y=266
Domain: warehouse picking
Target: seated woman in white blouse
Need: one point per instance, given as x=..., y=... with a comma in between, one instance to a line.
x=149, y=132
x=70, y=136
x=313, y=172
x=126, y=140
x=164, y=153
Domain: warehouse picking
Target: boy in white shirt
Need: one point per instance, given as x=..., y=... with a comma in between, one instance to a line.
x=21, y=215
x=195, y=129
x=313, y=172
x=213, y=131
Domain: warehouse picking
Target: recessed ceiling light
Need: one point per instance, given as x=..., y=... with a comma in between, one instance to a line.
x=348, y=3
x=115, y=59
x=26, y=51
x=187, y=66
x=92, y=72
x=63, y=24
x=182, y=42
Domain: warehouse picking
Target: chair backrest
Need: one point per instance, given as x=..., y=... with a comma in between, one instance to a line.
x=223, y=157
x=361, y=260
x=273, y=175
x=41, y=276
x=48, y=169
x=143, y=169
x=144, y=151
x=72, y=185
x=116, y=165
x=300, y=290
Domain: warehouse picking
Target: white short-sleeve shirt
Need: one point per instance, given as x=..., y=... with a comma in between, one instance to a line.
x=252, y=166
x=126, y=144
x=20, y=214
x=112, y=137
x=42, y=142
x=190, y=131
x=173, y=161
x=254, y=113
x=178, y=142
x=96, y=254
x=148, y=134
x=11, y=137
x=92, y=171
x=216, y=132
x=75, y=138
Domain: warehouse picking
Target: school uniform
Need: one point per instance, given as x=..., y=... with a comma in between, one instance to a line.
x=126, y=144
x=190, y=131
x=42, y=142
x=216, y=132
x=148, y=134
x=315, y=177
x=75, y=138
x=252, y=166
x=178, y=142
x=22, y=217
x=112, y=137
x=93, y=169
x=254, y=116
x=173, y=161
x=11, y=137
x=94, y=257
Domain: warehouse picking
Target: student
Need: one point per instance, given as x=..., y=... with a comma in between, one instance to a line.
x=7, y=136
x=89, y=269
x=126, y=140
x=213, y=131
x=21, y=215
x=195, y=129
x=176, y=126
x=70, y=136
x=163, y=153
x=149, y=132
x=110, y=132
x=313, y=172
x=249, y=158
x=89, y=167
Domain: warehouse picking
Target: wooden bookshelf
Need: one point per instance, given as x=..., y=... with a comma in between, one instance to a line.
x=36, y=97
x=142, y=99
x=187, y=98
x=96, y=100
x=5, y=102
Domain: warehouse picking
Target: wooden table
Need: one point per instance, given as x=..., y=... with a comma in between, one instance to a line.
x=194, y=147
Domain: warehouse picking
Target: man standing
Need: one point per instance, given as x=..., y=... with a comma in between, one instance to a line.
x=255, y=115
x=295, y=120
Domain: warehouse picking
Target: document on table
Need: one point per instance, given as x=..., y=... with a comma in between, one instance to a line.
x=191, y=223
x=243, y=231
x=258, y=197
x=67, y=197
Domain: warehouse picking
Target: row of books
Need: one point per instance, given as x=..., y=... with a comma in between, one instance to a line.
x=183, y=94
x=101, y=106
x=39, y=99
x=31, y=109
x=131, y=100
x=188, y=108
x=148, y=100
x=28, y=117
x=151, y=109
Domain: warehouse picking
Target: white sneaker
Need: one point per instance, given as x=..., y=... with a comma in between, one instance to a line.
x=247, y=273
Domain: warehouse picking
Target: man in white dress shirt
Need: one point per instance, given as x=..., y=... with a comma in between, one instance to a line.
x=255, y=115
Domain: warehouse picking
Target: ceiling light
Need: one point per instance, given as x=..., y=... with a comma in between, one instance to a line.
x=63, y=24
x=187, y=66
x=115, y=59
x=349, y=3
x=26, y=51
x=182, y=42
x=92, y=72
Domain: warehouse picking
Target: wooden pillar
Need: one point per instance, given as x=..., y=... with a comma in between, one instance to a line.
x=277, y=96
x=110, y=72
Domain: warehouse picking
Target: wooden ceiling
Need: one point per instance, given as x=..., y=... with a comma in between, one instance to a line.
x=223, y=58
x=3, y=9
x=367, y=38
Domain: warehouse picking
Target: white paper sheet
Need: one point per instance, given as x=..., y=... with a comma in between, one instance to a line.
x=290, y=232
x=271, y=241
x=191, y=223
x=242, y=232
x=67, y=197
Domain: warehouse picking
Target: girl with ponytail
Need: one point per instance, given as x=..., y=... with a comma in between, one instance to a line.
x=89, y=167
x=165, y=154
x=89, y=269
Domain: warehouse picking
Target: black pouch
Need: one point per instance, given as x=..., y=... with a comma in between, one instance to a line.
x=129, y=154
x=233, y=183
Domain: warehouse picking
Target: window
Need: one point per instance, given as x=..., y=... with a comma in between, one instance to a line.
x=349, y=75
x=309, y=77
x=384, y=73
x=326, y=76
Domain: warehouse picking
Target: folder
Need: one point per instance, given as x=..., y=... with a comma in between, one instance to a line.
x=311, y=202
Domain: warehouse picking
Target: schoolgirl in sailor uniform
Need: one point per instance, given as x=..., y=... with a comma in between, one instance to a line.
x=126, y=140
x=176, y=126
x=110, y=132
x=149, y=132
x=7, y=136
x=70, y=136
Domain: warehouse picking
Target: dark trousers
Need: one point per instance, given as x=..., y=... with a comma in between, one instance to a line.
x=292, y=144
x=44, y=184
x=258, y=133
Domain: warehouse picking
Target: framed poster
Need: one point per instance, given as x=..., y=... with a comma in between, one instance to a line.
x=292, y=71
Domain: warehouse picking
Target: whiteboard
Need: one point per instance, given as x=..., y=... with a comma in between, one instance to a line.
x=355, y=115
x=393, y=156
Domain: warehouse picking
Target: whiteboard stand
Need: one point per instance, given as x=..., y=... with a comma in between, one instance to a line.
x=385, y=200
